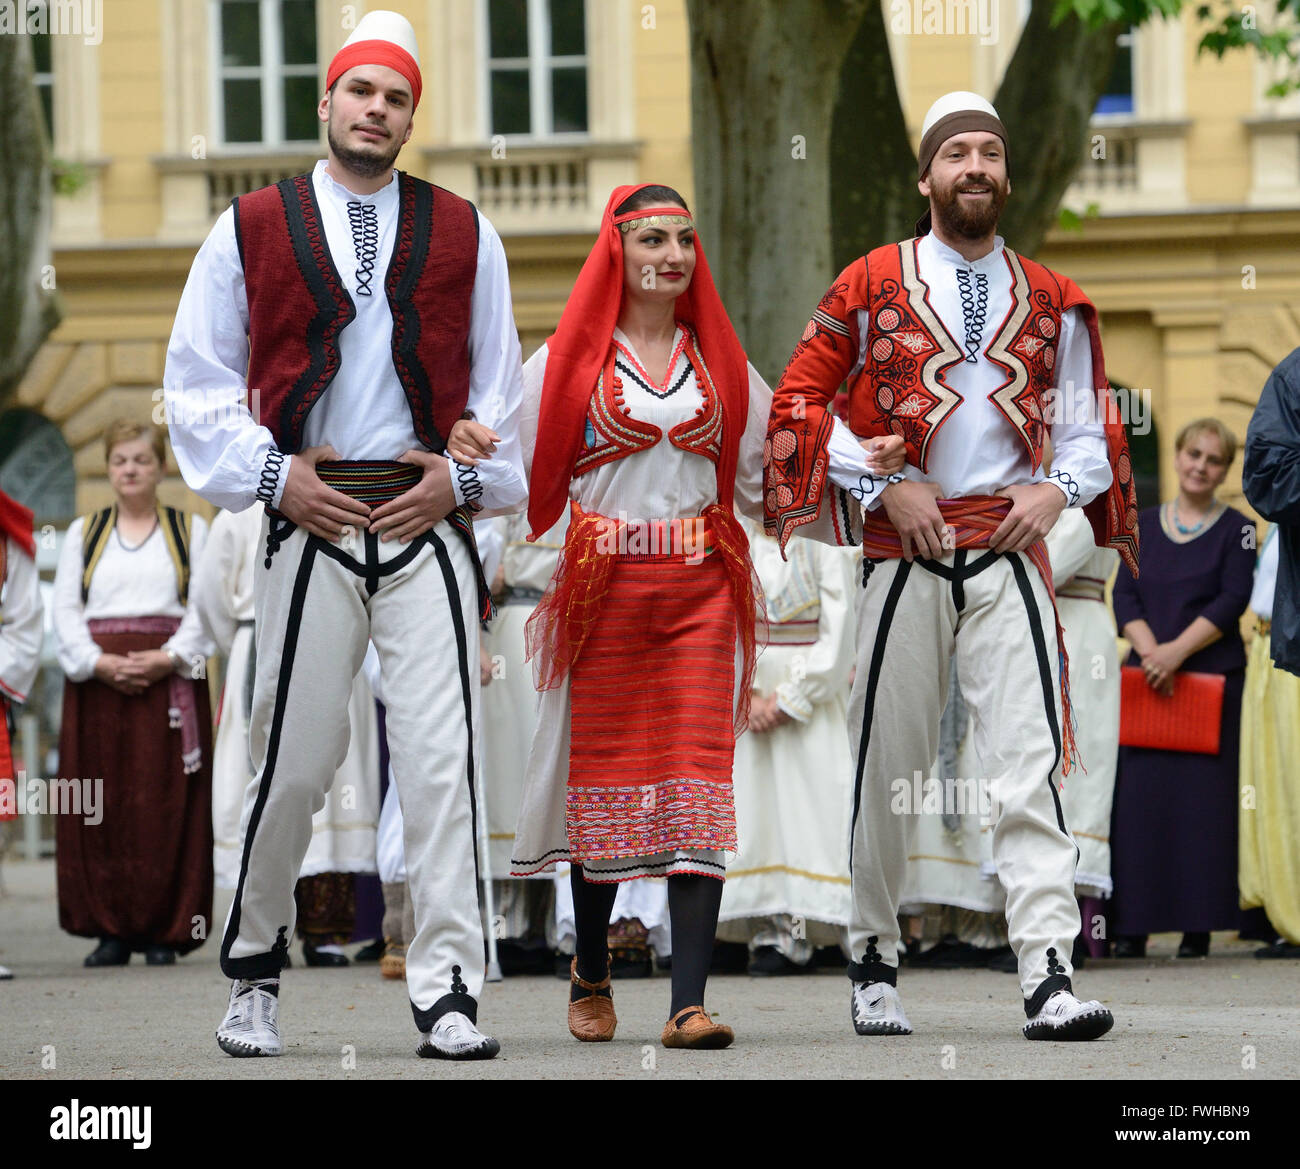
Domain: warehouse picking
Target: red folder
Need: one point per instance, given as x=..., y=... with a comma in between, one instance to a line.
x=1187, y=720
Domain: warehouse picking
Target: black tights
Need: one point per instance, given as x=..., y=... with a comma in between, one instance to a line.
x=693, y=903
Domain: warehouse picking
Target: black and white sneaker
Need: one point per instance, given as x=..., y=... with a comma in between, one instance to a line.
x=251, y=1025
x=455, y=1037
x=1064, y=1017
x=876, y=1009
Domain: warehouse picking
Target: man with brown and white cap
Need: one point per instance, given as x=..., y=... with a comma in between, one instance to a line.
x=971, y=353
x=361, y=313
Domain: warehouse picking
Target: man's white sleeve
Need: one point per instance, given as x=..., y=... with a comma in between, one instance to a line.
x=497, y=485
x=225, y=455
x=24, y=624
x=1080, y=462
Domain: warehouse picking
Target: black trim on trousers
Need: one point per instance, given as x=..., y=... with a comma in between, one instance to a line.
x=466, y=1004
x=959, y=573
x=1044, y=677
x=873, y=680
x=873, y=971
x=268, y=965
x=1048, y=987
x=426, y=1017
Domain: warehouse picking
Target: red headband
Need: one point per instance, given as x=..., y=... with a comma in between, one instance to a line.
x=376, y=52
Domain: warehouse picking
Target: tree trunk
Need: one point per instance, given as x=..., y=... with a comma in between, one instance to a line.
x=1047, y=112
x=874, y=199
x=28, y=310
x=764, y=77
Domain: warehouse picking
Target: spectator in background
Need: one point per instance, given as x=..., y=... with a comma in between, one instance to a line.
x=1174, y=834
x=21, y=629
x=135, y=716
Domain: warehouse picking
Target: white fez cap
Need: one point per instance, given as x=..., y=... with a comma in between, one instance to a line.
x=959, y=101
x=382, y=25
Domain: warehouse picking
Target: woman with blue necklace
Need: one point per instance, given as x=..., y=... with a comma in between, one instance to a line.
x=1174, y=833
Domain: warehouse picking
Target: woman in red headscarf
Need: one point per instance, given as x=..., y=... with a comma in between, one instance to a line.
x=644, y=420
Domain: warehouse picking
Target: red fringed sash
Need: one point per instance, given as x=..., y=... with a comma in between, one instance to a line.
x=973, y=521
x=560, y=625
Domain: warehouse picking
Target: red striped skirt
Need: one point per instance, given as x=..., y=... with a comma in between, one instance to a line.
x=651, y=725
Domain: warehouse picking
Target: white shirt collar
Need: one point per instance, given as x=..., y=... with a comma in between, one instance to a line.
x=326, y=182
x=939, y=250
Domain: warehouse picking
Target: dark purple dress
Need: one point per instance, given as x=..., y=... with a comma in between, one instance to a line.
x=1174, y=827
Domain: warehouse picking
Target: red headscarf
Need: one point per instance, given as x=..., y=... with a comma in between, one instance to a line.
x=16, y=521
x=577, y=351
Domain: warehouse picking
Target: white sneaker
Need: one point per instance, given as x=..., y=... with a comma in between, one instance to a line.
x=5, y=973
x=877, y=1010
x=455, y=1037
x=251, y=1025
x=1064, y=1017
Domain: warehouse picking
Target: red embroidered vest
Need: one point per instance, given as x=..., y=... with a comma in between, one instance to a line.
x=297, y=304
x=901, y=387
x=612, y=432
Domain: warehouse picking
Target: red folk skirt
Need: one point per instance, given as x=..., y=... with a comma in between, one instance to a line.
x=650, y=645
x=144, y=872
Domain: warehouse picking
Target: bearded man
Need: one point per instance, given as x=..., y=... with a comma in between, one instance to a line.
x=970, y=353
x=362, y=312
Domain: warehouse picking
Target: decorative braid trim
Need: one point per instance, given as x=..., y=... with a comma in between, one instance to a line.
x=270, y=477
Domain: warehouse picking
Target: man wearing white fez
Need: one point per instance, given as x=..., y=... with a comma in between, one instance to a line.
x=361, y=313
x=972, y=354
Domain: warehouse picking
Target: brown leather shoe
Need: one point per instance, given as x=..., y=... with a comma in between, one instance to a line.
x=591, y=1018
x=393, y=963
x=692, y=1027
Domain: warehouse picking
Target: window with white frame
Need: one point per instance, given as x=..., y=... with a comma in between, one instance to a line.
x=537, y=67
x=1117, y=97
x=266, y=76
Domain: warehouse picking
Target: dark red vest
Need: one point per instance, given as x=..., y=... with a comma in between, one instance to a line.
x=297, y=304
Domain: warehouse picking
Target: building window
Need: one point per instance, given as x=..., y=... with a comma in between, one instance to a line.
x=267, y=79
x=1117, y=98
x=537, y=67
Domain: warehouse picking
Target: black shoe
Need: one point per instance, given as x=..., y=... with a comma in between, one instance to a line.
x=370, y=953
x=1281, y=948
x=949, y=954
x=1134, y=946
x=1005, y=961
x=159, y=956
x=1194, y=946
x=768, y=961
x=314, y=957
x=109, y=952
x=630, y=964
x=729, y=958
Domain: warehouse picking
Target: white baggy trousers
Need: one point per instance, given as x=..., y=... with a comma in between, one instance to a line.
x=318, y=604
x=994, y=612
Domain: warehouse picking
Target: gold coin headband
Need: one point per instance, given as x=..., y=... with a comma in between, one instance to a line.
x=653, y=217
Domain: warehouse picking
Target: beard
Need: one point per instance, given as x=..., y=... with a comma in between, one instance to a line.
x=969, y=222
x=364, y=162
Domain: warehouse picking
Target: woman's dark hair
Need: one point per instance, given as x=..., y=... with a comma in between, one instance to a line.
x=651, y=197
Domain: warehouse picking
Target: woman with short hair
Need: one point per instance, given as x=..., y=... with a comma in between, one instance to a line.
x=1174, y=835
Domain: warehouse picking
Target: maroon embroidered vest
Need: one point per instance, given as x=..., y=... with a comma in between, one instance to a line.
x=298, y=304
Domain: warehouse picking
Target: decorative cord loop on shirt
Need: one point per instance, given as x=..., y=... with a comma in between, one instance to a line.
x=1071, y=487
x=270, y=477
x=364, y=218
x=470, y=487
x=974, y=306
